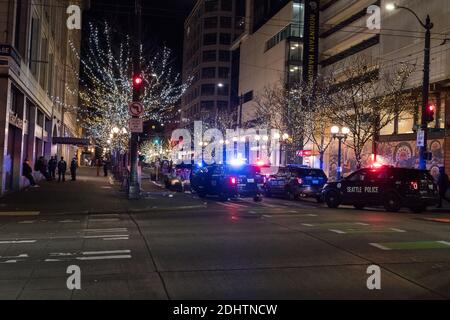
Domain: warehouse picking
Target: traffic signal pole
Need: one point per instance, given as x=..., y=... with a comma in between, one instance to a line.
x=134, y=188
x=426, y=90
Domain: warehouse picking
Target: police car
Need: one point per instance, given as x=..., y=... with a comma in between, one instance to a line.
x=227, y=181
x=296, y=181
x=392, y=188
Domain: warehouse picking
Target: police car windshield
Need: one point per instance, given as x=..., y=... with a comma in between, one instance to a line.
x=309, y=172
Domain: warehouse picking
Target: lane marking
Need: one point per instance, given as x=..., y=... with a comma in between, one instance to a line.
x=106, y=236
x=338, y=231
x=69, y=221
x=417, y=245
x=106, y=230
x=88, y=253
x=104, y=258
x=379, y=246
x=104, y=220
x=19, y=213
x=17, y=241
x=115, y=239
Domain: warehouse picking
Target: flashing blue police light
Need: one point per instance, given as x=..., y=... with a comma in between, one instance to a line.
x=237, y=162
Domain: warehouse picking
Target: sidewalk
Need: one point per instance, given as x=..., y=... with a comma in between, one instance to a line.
x=91, y=194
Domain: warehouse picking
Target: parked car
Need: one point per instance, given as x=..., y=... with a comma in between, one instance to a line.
x=392, y=188
x=295, y=182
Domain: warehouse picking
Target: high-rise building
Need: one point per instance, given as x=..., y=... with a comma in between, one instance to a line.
x=270, y=51
x=210, y=30
x=38, y=85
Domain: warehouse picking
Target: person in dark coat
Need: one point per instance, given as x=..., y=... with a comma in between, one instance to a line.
x=62, y=168
x=43, y=168
x=27, y=172
x=52, y=165
x=443, y=186
x=73, y=169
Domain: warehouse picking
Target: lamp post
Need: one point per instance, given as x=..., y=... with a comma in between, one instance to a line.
x=341, y=134
x=427, y=25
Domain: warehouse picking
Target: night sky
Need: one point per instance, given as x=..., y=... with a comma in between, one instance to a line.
x=162, y=20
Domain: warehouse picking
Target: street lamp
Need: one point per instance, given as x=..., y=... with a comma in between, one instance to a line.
x=341, y=134
x=427, y=25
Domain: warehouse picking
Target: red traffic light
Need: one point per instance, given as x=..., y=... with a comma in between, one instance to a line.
x=137, y=81
x=430, y=113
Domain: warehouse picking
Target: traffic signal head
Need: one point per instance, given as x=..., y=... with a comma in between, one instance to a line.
x=137, y=81
x=431, y=109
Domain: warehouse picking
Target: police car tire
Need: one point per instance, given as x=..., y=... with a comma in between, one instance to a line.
x=332, y=199
x=392, y=202
x=223, y=197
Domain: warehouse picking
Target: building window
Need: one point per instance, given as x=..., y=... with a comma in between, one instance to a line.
x=295, y=51
x=210, y=23
x=226, y=5
x=223, y=90
x=225, y=22
x=208, y=73
x=211, y=5
x=35, y=35
x=209, y=39
x=224, y=55
x=224, y=73
x=225, y=38
x=295, y=73
x=209, y=56
x=208, y=89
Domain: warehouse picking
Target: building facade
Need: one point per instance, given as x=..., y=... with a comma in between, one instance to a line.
x=38, y=85
x=348, y=29
x=209, y=31
x=345, y=34
x=268, y=53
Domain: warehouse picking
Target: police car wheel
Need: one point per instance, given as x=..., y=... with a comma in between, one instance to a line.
x=332, y=199
x=392, y=202
x=257, y=198
x=223, y=197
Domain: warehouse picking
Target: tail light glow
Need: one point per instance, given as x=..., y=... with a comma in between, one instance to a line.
x=233, y=180
x=300, y=180
x=414, y=185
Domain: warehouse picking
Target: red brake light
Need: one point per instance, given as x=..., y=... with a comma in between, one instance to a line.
x=414, y=185
x=299, y=180
x=233, y=180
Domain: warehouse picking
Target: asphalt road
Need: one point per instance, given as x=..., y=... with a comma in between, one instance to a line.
x=276, y=249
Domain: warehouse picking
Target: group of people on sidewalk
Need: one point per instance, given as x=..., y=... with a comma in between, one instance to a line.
x=49, y=169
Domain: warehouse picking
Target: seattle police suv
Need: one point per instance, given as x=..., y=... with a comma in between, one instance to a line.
x=296, y=181
x=228, y=181
x=386, y=186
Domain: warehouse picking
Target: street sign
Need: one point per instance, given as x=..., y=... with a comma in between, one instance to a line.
x=136, y=125
x=420, y=138
x=136, y=109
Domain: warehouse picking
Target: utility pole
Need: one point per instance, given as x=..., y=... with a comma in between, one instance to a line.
x=426, y=90
x=134, y=188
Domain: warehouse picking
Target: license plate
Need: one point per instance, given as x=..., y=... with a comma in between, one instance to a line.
x=431, y=186
x=241, y=185
x=315, y=181
x=250, y=180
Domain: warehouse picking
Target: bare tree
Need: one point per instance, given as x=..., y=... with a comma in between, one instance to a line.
x=366, y=96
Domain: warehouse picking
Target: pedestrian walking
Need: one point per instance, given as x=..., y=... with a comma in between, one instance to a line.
x=73, y=168
x=62, y=168
x=27, y=172
x=442, y=183
x=52, y=165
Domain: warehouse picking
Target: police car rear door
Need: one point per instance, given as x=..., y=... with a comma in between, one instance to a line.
x=353, y=188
